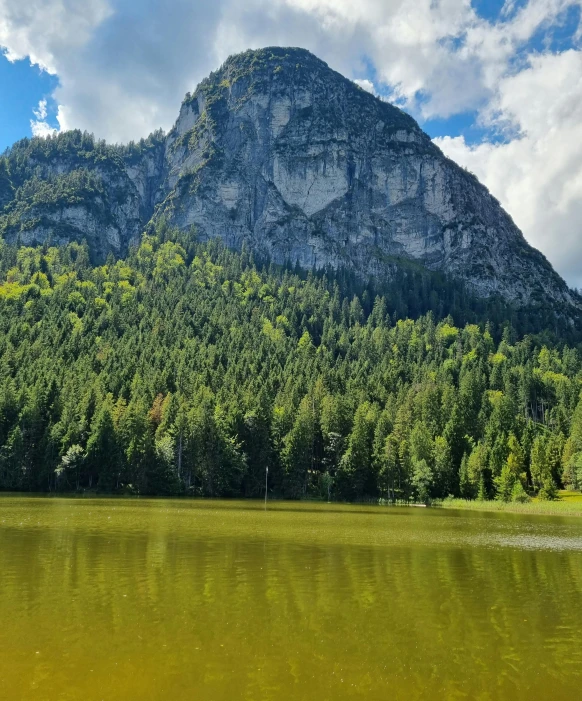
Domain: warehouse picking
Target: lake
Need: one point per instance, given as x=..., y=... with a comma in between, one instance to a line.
x=122, y=599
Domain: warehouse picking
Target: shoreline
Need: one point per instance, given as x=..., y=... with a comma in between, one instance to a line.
x=568, y=504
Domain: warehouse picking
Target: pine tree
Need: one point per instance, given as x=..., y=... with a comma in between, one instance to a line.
x=548, y=491
x=356, y=475
x=103, y=455
x=539, y=466
x=298, y=450
x=505, y=483
x=422, y=479
x=443, y=467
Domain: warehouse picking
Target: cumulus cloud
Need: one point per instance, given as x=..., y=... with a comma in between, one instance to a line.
x=538, y=175
x=123, y=68
x=49, y=32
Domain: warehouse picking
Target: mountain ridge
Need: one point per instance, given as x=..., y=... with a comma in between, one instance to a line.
x=278, y=152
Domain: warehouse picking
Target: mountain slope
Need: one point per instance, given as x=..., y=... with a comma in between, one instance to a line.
x=190, y=370
x=279, y=152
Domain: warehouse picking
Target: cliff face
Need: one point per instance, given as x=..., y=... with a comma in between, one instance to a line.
x=73, y=188
x=277, y=150
x=280, y=151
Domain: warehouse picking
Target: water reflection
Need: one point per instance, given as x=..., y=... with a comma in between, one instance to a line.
x=112, y=599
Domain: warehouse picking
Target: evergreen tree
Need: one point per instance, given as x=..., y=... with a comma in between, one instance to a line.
x=540, y=466
x=356, y=476
x=298, y=451
x=187, y=368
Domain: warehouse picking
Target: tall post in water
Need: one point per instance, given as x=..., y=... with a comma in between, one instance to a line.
x=266, y=478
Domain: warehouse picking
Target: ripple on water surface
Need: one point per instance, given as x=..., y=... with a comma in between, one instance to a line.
x=155, y=599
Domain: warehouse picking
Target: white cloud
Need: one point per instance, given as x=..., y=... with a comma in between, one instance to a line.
x=123, y=68
x=49, y=32
x=39, y=126
x=40, y=112
x=538, y=175
x=366, y=85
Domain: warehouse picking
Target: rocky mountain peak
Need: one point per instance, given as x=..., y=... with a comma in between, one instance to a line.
x=278, y=152
x=295, y=80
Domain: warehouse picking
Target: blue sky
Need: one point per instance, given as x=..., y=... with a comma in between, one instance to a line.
x=22, y=87
x=497, y=84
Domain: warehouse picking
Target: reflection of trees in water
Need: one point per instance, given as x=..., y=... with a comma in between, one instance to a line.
x=279, y=616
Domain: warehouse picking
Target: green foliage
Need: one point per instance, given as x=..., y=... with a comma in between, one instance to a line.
x=505, y=483
x=422, y=478
x=6, y=187
x=539, y=463
x=190, y=369
x=548, y=490
x=518, y=493
x=356, y=476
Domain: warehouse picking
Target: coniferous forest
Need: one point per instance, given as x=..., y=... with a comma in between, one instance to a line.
x=188, y=369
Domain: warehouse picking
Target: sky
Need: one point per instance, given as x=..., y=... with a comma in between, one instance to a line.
x=497, y=84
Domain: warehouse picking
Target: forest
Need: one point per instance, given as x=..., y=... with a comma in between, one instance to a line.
x=189, y=369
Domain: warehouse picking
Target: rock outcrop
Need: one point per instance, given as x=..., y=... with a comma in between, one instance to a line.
x=280, y=152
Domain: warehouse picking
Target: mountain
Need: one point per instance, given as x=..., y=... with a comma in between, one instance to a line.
x=277, y=151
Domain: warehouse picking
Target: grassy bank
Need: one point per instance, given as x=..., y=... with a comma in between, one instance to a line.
x=568, y=504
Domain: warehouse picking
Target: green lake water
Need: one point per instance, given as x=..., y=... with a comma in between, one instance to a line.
x=122, y=599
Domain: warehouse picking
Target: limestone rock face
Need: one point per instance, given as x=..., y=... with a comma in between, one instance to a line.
x=278, y=152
